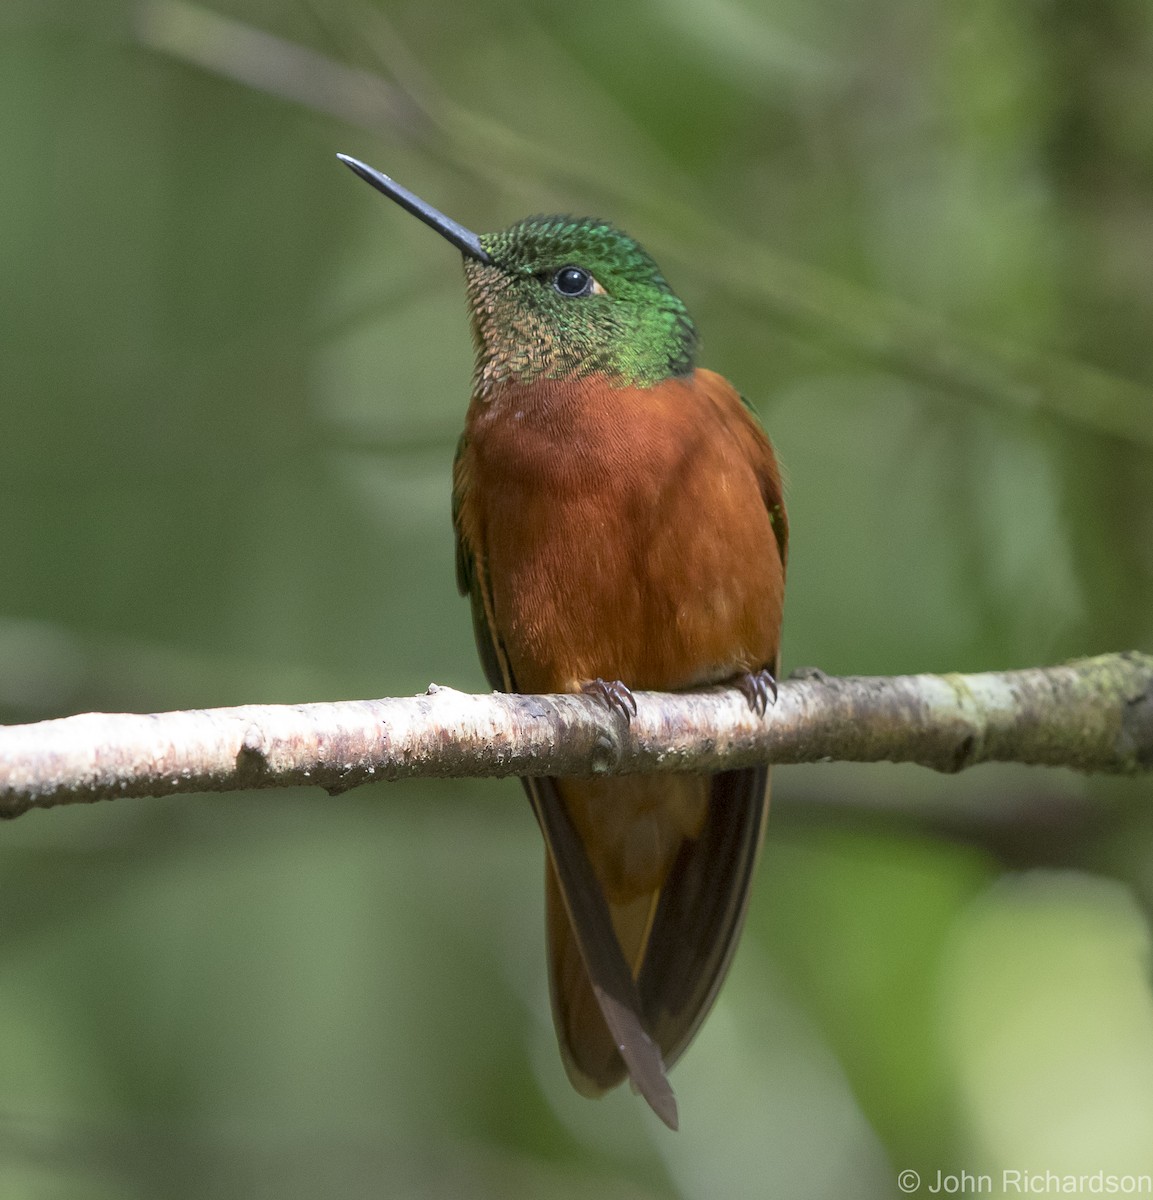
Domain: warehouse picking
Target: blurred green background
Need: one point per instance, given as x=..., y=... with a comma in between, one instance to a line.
x=917, y=235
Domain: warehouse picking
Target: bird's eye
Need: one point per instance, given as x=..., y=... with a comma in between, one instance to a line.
x=575, y=281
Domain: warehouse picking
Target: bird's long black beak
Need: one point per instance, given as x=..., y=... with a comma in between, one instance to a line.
x=463, y=239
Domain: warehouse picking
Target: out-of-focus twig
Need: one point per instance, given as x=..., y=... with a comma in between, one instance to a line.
x=879, y=329
x=266, y=63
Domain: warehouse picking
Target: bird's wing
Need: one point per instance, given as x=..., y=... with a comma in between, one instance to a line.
x=471, y=576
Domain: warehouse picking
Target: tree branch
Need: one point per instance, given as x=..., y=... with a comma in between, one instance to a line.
x=1091, y=715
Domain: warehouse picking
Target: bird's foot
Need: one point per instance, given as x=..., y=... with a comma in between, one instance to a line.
x=812, y=673
x=615, y=694
x=758, y=687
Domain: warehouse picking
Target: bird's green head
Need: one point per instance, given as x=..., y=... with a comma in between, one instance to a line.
x=561, y=297
x=570, y=296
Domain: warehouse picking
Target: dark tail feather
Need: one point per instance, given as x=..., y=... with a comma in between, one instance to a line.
x=609, y=979
x=701, y=911
x=588, y=1049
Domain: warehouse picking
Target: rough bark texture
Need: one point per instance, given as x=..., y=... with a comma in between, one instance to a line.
x=1091, y=715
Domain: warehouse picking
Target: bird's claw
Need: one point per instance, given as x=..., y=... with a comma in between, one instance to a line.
x=758, y=687
x=615, y=694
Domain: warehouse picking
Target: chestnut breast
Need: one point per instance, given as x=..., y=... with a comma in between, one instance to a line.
x=624, y=531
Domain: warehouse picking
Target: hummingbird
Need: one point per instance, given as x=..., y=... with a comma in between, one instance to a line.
x=619, y=526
